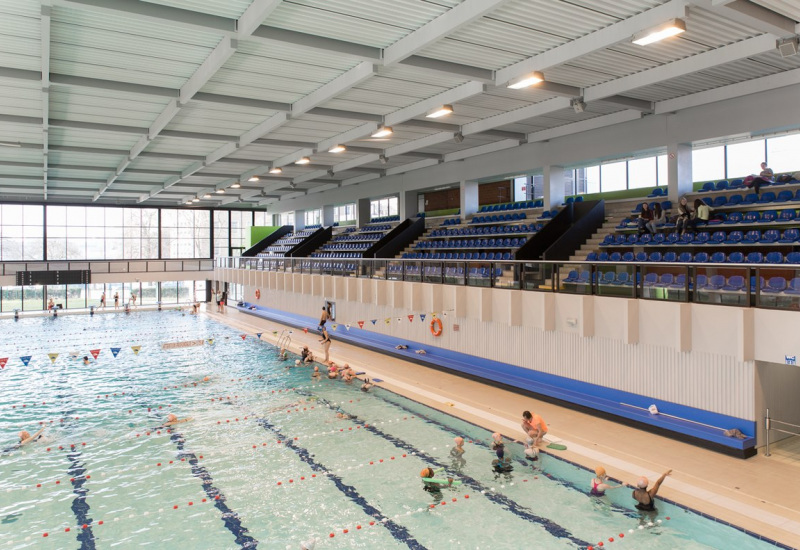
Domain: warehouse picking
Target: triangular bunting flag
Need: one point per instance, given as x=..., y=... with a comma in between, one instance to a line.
x=53, y=357
x=334, y=327
x=25, y=360
x=243, y=336
x=422, y=317
x=94, y=352
x=3, y=361
x=210, y=341
x=258, y=335
x=115, y=351
x=361, y=324
x=373, y=321
x=411, y=318
x=347, y=327
x=387, y=320
x=305, y=330
x=433, y=315
x=136, y=349
x=399, y=319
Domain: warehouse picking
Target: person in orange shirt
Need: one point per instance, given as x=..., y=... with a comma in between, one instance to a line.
x=534, y=426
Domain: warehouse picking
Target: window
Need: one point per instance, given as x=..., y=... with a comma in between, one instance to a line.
x=613, y=176
x=708, y=164
x=745, y=158
x=641, y=173
x=21, y=232
x=344, y=213
x=388, y=206
x=286, y=218
x=262, y=219
x=663, y=170
x=185, y=233
x=782, y=153
x=221, y=233
x=313, y=217
x=241, y=222
x=591, y=175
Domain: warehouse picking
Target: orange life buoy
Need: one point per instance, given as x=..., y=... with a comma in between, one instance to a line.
x=436, y=327
x=258, y=294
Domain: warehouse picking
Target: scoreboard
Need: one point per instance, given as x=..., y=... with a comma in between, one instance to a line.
x=71, y=277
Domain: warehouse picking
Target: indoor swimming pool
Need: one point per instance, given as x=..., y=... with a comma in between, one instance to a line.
x=270, y=457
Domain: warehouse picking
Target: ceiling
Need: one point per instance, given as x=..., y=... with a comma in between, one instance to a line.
x=161, y=101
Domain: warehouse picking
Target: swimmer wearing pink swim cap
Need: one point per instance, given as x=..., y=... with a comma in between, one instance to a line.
x=645, y=499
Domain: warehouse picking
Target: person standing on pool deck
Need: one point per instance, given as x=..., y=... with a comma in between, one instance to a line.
x=116, y=300
x=645, y=499
x=133, y=300
x=323, y=318
x=103, y=300
x=223, y=301
x=534, y=426
x=326, y=344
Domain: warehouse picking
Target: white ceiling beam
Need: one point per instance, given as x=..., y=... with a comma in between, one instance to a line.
x=448, y=97
x=358, y=132
x=481, y=150
x=449, y=22
x=254, y=16
x=510, y=117
x=706, y=60
x=593, y=41
x=355, y=163
x=310, y=176
x=585, y=125
x=45, y=88
x=221, y=53
x=752, y=15
x=341, y=83
x=780, y=80
x=421, y=143
x=263, y=128
x=359, y=179
x=424, y=163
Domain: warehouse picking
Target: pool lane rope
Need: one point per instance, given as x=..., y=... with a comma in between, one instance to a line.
x=619, y=537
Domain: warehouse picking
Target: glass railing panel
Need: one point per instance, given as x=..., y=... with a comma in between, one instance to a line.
x=660, y=281
x=479, y=273
x=432, y=272
x=537, y=276
x=716, y=284
x=778, y=287
x=455, y=273
x=506, y=275
x=394, y=270
x=412, y=271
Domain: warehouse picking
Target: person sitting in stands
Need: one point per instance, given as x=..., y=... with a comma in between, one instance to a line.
x=645, y=499
x=766, y=172
x=645, y=217
x=702, y=213
x=658, y=219
x=683, y=216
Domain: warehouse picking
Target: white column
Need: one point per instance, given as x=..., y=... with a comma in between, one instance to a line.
x=299, y=220
x=408, y=205
x=363, y=212
x=469, y=197
x=327, y=215
x=679, y=169
x=553, y=186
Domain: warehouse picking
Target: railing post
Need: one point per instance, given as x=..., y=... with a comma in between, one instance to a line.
x=767, y=425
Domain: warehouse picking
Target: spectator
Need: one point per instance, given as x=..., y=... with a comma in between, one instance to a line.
x=658, y=219
x=766, y=172
x=702, y=213
x=645, y=217
x=683, y=216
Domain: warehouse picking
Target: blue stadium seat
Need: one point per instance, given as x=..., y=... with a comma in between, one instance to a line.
x=754, y=258
x=700, y=257
x=641, y=257
x=734, y=217
x=793, y=258
x=767, y=196
x=784, y=196
x=774, y=285
x=666, y=280
x=608, y=278
x=702, y=237
x=735, y=258
x=750, y=198
x=715, y=282
x=790, y=236
x=657, y=239
x=572, y=277
x=752, y=236
x=608, y=240
x=602, y=257
x=733, y=200
x=752, y=217
x=650, y=279
x=793, y=287
x=717, y=258
x=615, y=257
x=769, y=216
x=786, y=215
x=679, y=282
x=722, y=200
x=628, y=257
x=591, y=257
x=770, y=236
x=707, y=186
x=654, y=257
x=734, y=284
x=736, y=184
x=672, y=238
x=722, y=185
x=623, y=278
x=774, y=258
x=718, y=237
x=657, y=192
x=645, y=238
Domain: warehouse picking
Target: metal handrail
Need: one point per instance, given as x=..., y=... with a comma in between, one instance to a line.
x=111, y=266
x=768, y=426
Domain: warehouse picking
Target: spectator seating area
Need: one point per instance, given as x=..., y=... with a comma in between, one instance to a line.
x=283, y=245
x=774, y=258
x=520, y=205
x=723, y=185
x=385, y=219
x=354, y=241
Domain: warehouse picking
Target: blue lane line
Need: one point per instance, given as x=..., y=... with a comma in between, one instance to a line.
x=229, y=517
x=399, y=532
x=550, y=526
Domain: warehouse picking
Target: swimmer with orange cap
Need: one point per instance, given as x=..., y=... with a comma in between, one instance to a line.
x=431, y=484
x=644, y=497
x=25, y=437
x=172, y=420
x=599, y=485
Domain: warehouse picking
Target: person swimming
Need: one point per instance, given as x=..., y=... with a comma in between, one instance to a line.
x=458, y=450
x=367, y=385
x=348, y=374
x=497, y=442
x=531, y=451
x=24, y=438
x=333, y=371
x=599, y=485
x=645, y=499
x=316, y=375
x=172, y=420
x=502, y=464
x=86, y=360
x=431, y=484
x=283, y=355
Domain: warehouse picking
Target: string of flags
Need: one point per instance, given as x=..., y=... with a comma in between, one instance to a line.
x=95, y=353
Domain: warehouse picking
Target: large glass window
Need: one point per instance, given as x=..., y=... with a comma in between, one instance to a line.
x=744, y=159
x=708, y=164
x=241, y=222
x=313, y=217
x=613, y=176
x=185, y=233
x=344, y=213
x=262, y=219
x=286, y=218
x=591, y=176
x=641, y=173
x=221, y=233
x=783, y=153
x=21, y=232
x=663, y=170
x=388, y=206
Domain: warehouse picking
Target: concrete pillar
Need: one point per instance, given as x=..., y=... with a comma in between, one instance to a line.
x=363, y=212
x=327, y=215
x=469, y=198
x=679, y=170
x=299, y=220
x=407, y=205
x=553, y=186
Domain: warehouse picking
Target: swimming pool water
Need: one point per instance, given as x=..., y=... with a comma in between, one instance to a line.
x=265, y=461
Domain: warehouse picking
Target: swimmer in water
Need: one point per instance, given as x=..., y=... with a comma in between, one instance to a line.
x=502, y=464
x=497, y=442
x=433, y=486
x=348, y=374
x=599, y=485
x=333, y=372
x=283, y=355
x=86, y=360
x=458, y=450
x=531, y=451
x=315, y=375
x=172, y=420
x=25, y=437
x=367, y=385
x=645, y=499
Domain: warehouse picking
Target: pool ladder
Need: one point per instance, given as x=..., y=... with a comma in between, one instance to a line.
x=284, y=340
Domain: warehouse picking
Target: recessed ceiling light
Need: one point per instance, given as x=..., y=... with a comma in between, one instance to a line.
x=304, y=160
x=276, y=170
x=526, y=80
x=236, y=185
x=337, y=149
x=220, y=191
x=655, y=34
x=207, y=196
x=383, y=131
x=195, y=199
x=440, y=111
x=253, y=178
x=189, y=202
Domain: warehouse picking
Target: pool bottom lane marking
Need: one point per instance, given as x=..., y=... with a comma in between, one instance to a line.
x=399, y=532
x=512, y=506
x=79, y=505
x=229, y=517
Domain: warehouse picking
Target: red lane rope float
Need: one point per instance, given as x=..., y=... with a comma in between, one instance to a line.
x=618, y=537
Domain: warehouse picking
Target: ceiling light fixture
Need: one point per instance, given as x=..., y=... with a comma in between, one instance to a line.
x=526, y=80
x=10, y=144
x=337, y=149
x=207, y=196
x=655, y=34
x=220, y=191
x=304, y=160
x=195, y=199
x=236, y=185
x=440, y=111
x=276, y=170
x=383, y=131
x=253, y=178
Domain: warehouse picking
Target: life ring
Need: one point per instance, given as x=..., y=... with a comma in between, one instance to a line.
x=258, y=294
x=436, y=327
